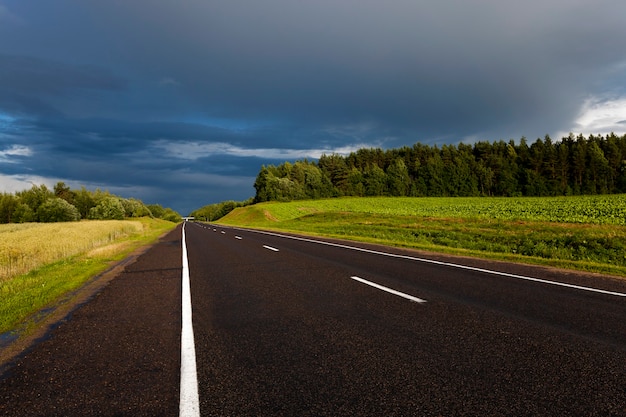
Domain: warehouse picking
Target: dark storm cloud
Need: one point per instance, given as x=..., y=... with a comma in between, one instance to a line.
x=38, y=87
x=430, y=68
x=29, y=75
x=189, y=96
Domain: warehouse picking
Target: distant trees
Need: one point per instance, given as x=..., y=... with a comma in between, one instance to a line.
x=109, y=208
x=40, y=204
x=57, y=210
x=298, y=181
x=213, y=212
x=165, y=213
x=571, y=166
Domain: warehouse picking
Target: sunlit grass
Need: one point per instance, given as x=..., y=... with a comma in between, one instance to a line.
x=583, y=233
x=24, y=247
x=42, y=262
x=600, y=209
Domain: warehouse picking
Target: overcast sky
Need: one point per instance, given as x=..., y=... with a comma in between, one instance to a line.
x=181, y=102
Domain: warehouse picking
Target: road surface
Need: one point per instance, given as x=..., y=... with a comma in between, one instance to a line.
x=287, y=326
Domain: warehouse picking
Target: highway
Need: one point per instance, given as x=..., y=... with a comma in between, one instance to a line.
x=292, y=326
x=283, y=329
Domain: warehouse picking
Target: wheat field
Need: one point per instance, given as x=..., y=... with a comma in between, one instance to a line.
x=27, y=246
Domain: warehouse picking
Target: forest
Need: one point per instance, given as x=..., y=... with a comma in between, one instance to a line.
x=61, y=204
x=575, y=165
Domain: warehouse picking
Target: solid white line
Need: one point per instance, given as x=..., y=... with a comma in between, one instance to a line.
x=270, y=248
x=389, y=290
x=449, y=264
x=189, y=405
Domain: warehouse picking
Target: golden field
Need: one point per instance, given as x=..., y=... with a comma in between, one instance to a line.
x=28, y=246
x=40, y=263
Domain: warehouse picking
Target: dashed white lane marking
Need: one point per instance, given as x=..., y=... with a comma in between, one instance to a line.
x=389, y=290
x=238, y=237
x=270, y=248
x=448, y=264
x=189, y=405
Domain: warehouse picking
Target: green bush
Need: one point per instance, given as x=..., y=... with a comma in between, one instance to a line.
x=110, y=208
x=134, y=208
x=57, y=210
x=23, y=214
x=171, y=216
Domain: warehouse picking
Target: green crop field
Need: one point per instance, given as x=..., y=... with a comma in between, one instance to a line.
x=606, y=209
x=584, y=232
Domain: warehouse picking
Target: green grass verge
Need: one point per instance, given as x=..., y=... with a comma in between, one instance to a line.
x=581, y=233
x=26, y=294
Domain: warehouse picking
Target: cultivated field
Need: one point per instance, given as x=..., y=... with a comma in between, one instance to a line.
x=586, y=233
x=40, y=262
x=28, y=246
x=606, y=209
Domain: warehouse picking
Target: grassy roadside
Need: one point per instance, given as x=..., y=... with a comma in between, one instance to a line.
x=24, y=294
x=579, y=233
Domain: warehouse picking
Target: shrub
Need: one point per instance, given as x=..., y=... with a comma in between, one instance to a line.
x=110, y=208
x=23, y=214
x=135, y=208
x=171, y=215
x=57, y=210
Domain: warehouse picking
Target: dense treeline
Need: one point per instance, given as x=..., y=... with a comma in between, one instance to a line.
x=40, y=204
x=572, y=166
x=215, y=211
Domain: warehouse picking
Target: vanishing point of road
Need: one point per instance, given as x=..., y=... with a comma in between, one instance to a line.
x=232, y=322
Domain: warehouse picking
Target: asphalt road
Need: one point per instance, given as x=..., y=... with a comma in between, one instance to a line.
x=294, y=327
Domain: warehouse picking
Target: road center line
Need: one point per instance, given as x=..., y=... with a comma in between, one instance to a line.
x=189, y=405
x=448, y=264
x=389, y=290
x=270, y=248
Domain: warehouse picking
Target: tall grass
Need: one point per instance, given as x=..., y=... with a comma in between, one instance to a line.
x=24, y=247
x=41, y=263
